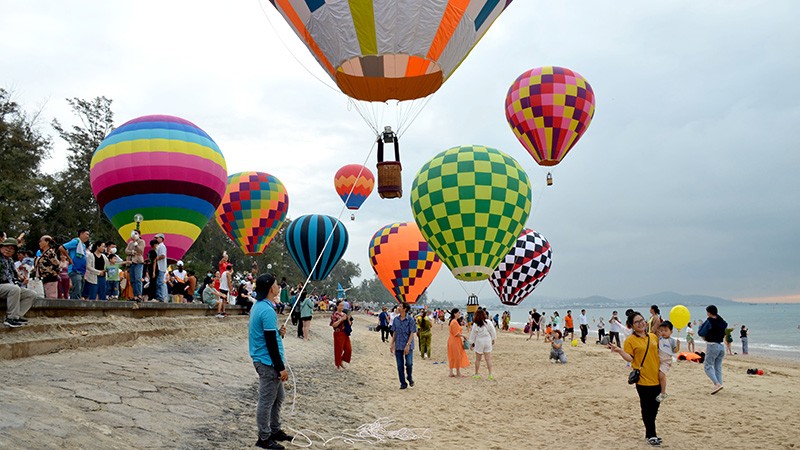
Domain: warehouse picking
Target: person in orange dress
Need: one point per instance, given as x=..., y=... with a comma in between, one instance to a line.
x=127, y=291
x=456, y=355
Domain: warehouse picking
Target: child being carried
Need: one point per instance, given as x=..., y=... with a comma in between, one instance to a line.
x=668, y=347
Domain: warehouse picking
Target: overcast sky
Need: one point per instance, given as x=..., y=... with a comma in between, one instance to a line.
x=687, y=179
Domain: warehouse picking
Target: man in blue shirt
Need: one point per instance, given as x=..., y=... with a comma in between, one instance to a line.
x=402, y=346
x=266, y=350
x=75, y=251
x=383, y=323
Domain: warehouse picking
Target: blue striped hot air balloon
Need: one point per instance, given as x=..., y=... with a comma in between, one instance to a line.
x=305, y=240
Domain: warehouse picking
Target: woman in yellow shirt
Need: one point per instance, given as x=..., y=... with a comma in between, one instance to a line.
x=641, y=350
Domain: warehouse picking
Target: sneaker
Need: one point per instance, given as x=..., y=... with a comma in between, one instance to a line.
x=654, y=441
x=270, y=444
x=716, y=389
x=476, y=377
x=490, y=378
x=403, y=386
x=22, y=320
x=410, y=383
x=13, y=323
x=661, y=397
x=281, y=436
x=220, y=316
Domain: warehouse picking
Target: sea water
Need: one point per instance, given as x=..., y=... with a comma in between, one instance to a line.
x=774, y=329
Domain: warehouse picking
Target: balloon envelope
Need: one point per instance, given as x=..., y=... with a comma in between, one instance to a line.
x=549, y=108
x=523, y=268
x=166, y=169
x=253, y=210
x=306, y=239
x=353, y=178
x=403, y=261
x=679, y=315
x=471, y=203
x=376, y=50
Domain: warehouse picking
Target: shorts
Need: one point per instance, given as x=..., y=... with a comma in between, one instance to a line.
x=665, y=366
x=534, y=328
x=569, y=330
x=306, y=319
x=483, y=346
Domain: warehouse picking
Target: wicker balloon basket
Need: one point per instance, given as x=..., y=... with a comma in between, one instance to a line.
x=390, y=179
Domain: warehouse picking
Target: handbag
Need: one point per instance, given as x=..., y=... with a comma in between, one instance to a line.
x=635, y=374
x=466, y=344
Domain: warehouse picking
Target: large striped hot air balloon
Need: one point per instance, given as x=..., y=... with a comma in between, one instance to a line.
x=306, y=239
x=377, y=50
x=403, y=261
x=166, y=169
x=549, y=109
x=253, y=210
x=471, y=203
x=523, y=268
x=353, y=183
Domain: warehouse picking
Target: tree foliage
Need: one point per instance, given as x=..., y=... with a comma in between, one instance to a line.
x=23, y=149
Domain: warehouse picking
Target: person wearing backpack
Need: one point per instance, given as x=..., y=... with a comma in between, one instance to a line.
x=713, y=331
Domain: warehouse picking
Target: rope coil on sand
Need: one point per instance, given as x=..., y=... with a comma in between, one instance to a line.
x=369, y=433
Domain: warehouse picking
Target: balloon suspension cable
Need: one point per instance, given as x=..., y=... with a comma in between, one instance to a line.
x=401, y=129
x=541, y=190
x=330, y=235
x=274, y=30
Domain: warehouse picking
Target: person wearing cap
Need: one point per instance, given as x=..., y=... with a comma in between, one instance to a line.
x=266, y=350
x=161, y=268
x=134, y=252
x=18, y=299
x=179, y=288
x=75, y=250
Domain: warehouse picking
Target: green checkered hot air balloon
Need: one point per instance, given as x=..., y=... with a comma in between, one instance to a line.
x=471, y=203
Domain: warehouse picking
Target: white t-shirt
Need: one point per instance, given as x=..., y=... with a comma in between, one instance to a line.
x=161, y=264
x=223, y=282
x=583, y=320
x=614, y=326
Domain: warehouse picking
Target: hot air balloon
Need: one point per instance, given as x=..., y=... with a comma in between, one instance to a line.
x=523, y=268
x=306, y=239
x=549, y=108
x=377, y=50
x=403, y=261
x=471, y=203
x=253, y=210
x=166, y=169
x=353, y=183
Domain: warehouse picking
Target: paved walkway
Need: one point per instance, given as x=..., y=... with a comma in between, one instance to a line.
x=158, y=393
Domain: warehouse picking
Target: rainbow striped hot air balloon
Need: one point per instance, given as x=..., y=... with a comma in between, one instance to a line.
x=253, y=209
x=403, y=261
x=166, y=169
x=353, y=178
x=307, y=240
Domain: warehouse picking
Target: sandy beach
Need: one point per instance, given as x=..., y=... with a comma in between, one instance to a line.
x=197, y=389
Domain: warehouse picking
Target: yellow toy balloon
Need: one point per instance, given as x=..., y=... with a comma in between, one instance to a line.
x=574, y=342
x=679, y=316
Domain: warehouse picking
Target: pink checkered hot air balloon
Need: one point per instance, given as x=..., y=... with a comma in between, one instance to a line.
x=549, y=108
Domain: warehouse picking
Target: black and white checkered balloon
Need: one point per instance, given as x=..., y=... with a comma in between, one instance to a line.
x=523, y=268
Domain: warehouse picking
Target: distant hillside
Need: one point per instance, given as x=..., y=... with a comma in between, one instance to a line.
x=660, y=299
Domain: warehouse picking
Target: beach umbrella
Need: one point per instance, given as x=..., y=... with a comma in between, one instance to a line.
x=549, y=108
x=403, y=260
x=523, y=268
x=253, y=209
x=165, y=169
x=306, y=239
x=471, y=203
x=353, y=183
